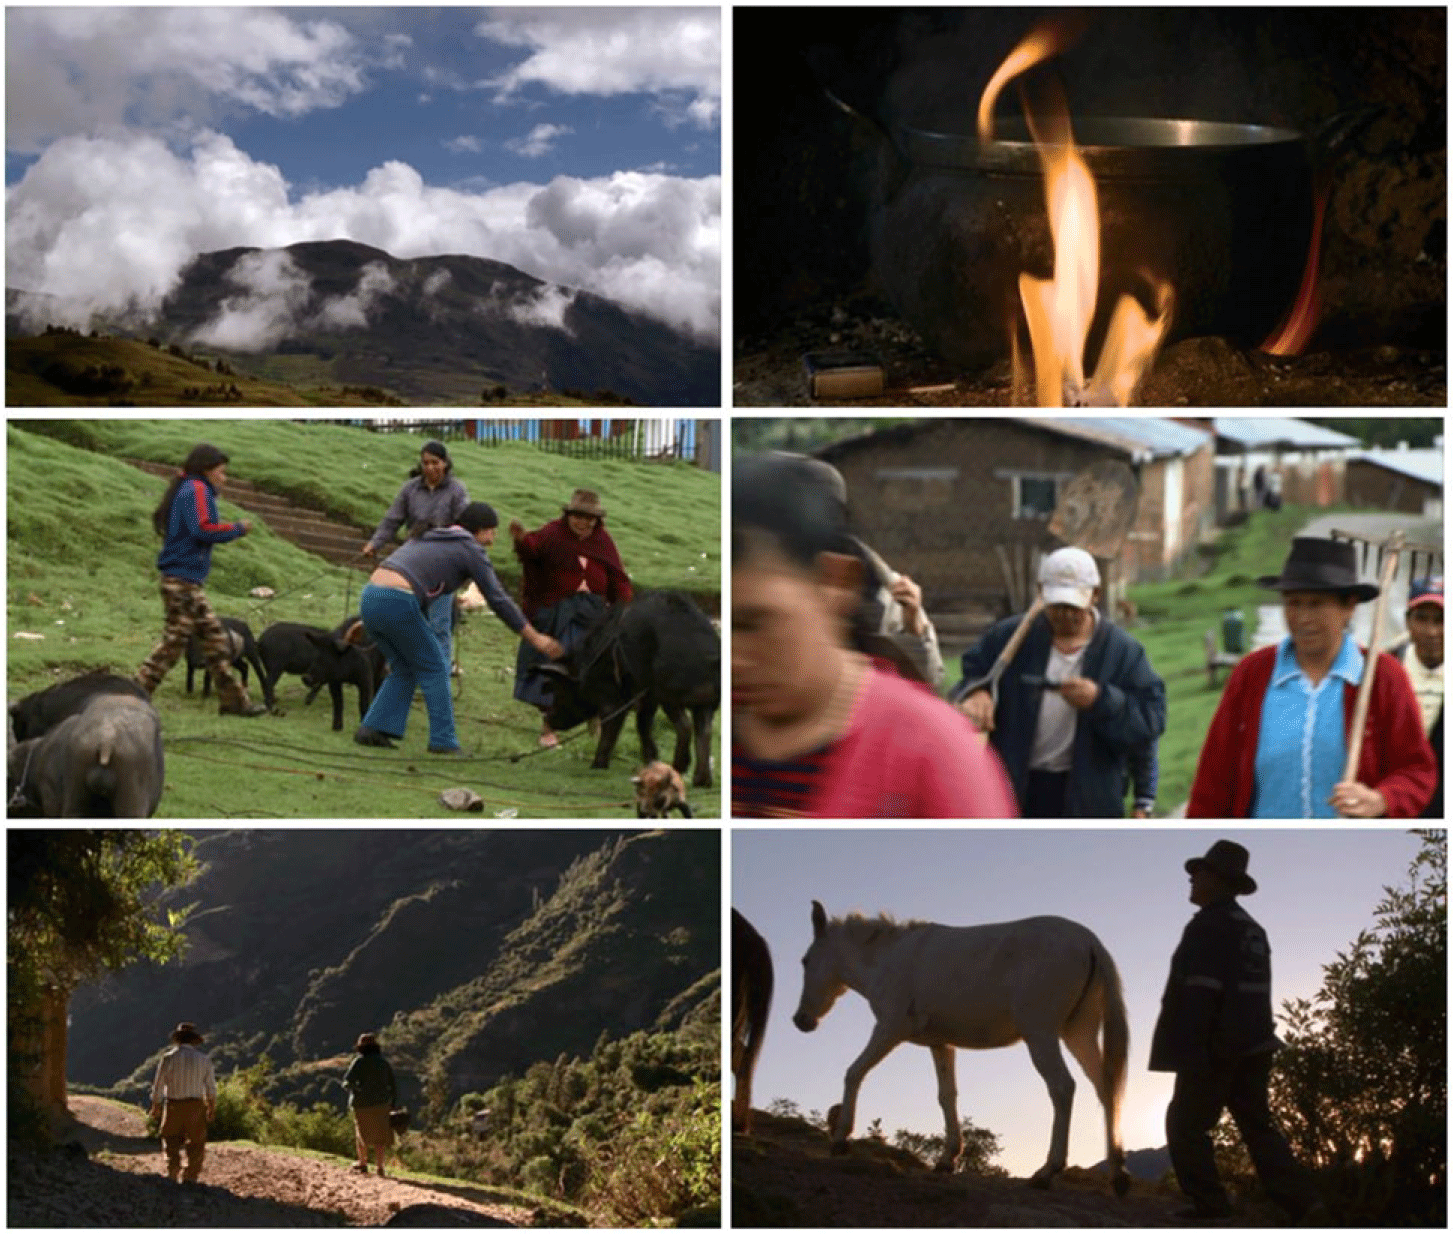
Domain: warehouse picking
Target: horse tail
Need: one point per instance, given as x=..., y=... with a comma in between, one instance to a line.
x=1116, y=1053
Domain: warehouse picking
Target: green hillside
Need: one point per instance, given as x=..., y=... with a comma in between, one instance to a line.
x=63, y=369
x=577, y=971
x=81, y=555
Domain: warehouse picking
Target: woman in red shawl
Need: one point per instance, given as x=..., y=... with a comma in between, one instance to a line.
x=572, y=571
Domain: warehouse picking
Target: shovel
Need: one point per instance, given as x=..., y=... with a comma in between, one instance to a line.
x=1094, y=512
x=1390, y=550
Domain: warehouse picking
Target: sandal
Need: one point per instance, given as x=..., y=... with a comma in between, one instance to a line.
x=548, y=741
x=358, y=1167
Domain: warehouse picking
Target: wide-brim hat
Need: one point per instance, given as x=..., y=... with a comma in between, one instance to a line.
x=1228, y=861
x=186, y=1033
x=1315, y=564
x=584, y=501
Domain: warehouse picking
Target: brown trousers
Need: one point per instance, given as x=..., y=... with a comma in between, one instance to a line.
x=188, y=612
x=185, y=1122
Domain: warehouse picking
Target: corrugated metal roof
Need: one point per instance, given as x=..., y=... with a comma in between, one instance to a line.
x=1139, y=433
x=1264, y=432
x=1424, y=465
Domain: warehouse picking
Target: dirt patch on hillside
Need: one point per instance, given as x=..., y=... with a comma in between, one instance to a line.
x=123, y=1183
x=784, y=1175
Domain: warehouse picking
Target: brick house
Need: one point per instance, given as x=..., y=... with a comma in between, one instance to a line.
x=962, y=504
x=1306, y=460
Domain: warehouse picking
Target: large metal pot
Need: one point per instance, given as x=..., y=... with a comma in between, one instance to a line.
x=1223, y=212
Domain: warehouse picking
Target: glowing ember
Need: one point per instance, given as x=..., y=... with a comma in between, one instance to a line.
x=1059, y=310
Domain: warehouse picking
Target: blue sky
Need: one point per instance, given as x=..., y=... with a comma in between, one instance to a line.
x=1318, y=889
x=168, y=131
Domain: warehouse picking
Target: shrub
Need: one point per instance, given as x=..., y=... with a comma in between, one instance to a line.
x=320, y=1128
x=241, y=1113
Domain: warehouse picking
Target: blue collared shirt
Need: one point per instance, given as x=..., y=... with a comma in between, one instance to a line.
x=1302, y=746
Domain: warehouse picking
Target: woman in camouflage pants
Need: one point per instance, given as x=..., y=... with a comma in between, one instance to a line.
x=187, y=518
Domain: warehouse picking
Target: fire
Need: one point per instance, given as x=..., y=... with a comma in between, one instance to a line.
x=1059, y=310
x=1296, y=330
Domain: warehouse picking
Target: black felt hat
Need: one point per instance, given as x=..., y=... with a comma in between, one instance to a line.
x=1320, y=565
x=1228, y=861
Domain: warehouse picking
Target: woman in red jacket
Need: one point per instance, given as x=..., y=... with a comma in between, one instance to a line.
x=1277, y=745
x=572, y=571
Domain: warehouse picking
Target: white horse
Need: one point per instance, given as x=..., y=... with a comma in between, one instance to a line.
x=978, y=987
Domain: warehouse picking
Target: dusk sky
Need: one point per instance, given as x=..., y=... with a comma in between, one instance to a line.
x=1318, y=889
x=580, y=144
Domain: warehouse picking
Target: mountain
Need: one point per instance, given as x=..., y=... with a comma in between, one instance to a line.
x=476, y=953
x=428, y=329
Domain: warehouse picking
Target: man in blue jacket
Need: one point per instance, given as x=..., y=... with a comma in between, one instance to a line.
x=1078, y=703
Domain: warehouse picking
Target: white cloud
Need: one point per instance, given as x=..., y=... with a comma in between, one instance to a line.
x=95, y=70
x=544, y=307
x=274, y=293
x=539, y=140
x=351, y=311
x=463, y=145
x=110, y=222
x=671, y=53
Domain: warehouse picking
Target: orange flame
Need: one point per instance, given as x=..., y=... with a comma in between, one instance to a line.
x=1296, y=331
x=1059, y=310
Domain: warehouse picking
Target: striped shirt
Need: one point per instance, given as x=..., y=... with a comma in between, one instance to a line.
x=762, y=788
x=184, y=1074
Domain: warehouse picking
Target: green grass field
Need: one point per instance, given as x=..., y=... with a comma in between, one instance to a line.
x=81, y=559
x=1174, y=618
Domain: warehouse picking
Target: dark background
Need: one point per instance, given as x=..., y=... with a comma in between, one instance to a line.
x=805, y=172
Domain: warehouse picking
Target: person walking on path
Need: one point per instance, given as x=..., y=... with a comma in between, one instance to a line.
x=432, y=497
x=1216, y=1032
x=1277, y=745
x=187, y=518
x=184, y=1100
x=572, y=573
x=393, y=607
x=1078, y=704
x=372, y=1094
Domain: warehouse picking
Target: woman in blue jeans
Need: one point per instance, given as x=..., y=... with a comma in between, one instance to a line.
x=395, y=606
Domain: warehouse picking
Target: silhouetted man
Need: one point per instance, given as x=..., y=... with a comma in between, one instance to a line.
x=1216, y=1032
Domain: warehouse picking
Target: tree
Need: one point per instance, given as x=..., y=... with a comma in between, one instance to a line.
x=1361, y=1088
x=80, y=902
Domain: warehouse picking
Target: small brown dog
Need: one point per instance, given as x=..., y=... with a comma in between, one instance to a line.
x=659, y=790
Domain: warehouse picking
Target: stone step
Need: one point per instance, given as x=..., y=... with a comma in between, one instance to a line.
x=333, y=540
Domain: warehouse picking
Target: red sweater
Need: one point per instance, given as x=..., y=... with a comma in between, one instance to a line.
x=552, y=559
x=908, y=754
x=1396, y=758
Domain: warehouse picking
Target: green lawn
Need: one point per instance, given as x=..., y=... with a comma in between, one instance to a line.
x=81, y=554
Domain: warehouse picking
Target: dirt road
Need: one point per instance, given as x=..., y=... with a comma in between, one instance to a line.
x=124, y=1184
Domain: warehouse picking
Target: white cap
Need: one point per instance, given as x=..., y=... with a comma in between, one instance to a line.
x=1069, y=576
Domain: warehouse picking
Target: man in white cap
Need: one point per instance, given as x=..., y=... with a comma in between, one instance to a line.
x=1079, y=705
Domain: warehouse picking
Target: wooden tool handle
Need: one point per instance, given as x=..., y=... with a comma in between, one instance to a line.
x=1369, y=671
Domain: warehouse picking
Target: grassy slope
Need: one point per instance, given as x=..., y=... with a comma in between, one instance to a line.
x=282, y=381
x=1174, y=618
x=81, y=565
